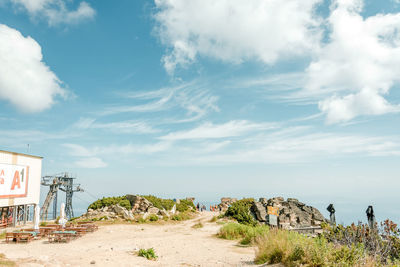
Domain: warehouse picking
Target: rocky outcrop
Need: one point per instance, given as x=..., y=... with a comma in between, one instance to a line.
x=111, y=212
x=140, y=204
x=292, y=213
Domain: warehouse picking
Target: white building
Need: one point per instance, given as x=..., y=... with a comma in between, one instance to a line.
x=20, y=177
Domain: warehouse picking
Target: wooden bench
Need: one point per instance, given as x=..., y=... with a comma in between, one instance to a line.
x=19, y=236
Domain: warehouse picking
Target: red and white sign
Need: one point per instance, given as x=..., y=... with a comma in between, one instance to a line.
x=13, y=180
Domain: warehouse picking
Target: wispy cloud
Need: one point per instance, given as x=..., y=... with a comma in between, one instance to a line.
x=193, y=98
x=138, y=127
x=212, y=131
x=244, y=142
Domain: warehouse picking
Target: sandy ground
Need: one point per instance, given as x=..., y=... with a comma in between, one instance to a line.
x=116, y=245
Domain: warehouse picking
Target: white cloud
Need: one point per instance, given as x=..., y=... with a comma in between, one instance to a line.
x=55, y=11
x=359, y=64
x=235, y=30
x=25, y=80
x=211, y=131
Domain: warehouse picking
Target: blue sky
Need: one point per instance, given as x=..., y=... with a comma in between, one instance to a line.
x=209, y=98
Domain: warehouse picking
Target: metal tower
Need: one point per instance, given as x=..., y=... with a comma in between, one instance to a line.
x=59, y=182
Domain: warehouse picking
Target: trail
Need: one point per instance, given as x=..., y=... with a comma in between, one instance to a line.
x=176, y=244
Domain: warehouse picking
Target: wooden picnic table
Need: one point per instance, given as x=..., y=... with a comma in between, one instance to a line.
x=79, y=230
x=46, y=230
x=19, y=236
x=39, y=233
x=62, y=236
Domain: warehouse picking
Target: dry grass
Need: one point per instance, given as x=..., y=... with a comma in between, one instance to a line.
x=213, y=219
x=293, y=249
x=198, y=225
x=6, y=262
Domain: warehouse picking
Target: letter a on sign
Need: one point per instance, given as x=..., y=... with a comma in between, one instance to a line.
x=16, y=181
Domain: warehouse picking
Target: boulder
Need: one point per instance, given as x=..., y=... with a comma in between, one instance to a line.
x=153, y=210
x=259, y=211
x=292, y=212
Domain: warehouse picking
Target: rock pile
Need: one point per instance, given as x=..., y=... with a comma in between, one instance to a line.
x=141, y=205
x=292, y=213
x=111, y=212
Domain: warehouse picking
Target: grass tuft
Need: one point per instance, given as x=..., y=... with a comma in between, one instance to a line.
x=214, y=219
x=149, y=254
x=198, y=225
x=246, y=233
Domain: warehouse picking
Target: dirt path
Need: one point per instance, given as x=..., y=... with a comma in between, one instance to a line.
x=115, y=245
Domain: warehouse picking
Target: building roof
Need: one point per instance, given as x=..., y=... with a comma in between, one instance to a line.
x=20, y=154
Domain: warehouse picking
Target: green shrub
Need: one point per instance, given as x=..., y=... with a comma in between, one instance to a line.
x=240, y=211
x=108, y=201
x=248, y=234
x=43, y=224
x=160, y=203
x=149, y=254
x=153, y=218
x=185, y=205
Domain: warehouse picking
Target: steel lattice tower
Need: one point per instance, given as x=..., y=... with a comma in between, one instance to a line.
x=65, y=184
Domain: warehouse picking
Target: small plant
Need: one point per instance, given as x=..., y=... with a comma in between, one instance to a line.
x=149, y=254
x=214, y=219
x=198, y=225
x=153, y=218
x=43, y=224
x=141, y=220
x=3, y=235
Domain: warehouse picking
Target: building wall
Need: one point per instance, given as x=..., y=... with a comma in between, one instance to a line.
x=34, y=165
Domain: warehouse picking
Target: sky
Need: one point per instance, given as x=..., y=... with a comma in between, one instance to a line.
x=209, y=98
